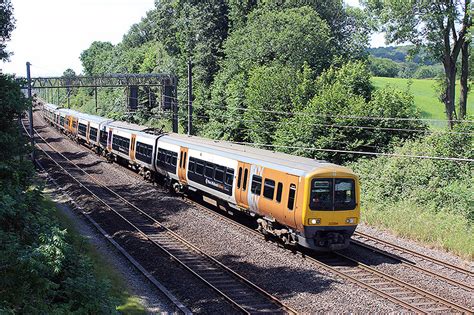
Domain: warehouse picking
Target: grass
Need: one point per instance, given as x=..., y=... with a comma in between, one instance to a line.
x=129, y=304
x=426, y=98
x=443, y=230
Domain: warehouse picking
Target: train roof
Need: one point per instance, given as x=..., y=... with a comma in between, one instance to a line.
x=247, y=152
x=126, y=125
x=68, y=111
x=51, y=106
x=93, y=118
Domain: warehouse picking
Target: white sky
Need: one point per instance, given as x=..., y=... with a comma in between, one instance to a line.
x=51, y=34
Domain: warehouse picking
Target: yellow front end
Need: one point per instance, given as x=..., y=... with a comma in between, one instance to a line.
x=331, y=204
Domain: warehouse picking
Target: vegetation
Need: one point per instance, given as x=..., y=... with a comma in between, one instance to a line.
x=428, y=200
x=403, y=62
x=44, y=269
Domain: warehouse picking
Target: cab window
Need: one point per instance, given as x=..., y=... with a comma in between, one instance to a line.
x=332, y=194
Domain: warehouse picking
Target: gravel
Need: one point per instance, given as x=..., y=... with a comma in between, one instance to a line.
x=296, y=281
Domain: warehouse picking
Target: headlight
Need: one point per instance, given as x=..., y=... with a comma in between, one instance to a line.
x=314, y=221
x=351, y=220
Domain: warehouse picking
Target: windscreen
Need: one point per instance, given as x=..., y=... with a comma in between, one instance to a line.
x=332, y=194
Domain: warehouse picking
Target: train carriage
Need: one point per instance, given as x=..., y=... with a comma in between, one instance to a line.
x=49, y=112
x=68, y=119
x=89, y=129
x=132, y=143
x=313, y=203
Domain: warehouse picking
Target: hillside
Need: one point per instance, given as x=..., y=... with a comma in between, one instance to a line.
x=424, y=92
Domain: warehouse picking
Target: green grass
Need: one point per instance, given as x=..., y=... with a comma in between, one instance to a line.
x=129, y=304
x=443, y=230
x=426, y=98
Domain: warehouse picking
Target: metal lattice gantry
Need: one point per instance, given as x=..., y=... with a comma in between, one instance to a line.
x=166, y=82
x=106, y=80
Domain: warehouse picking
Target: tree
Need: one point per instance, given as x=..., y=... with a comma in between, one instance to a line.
x=439, y=26
x=97, y=57
x=7, y=24
x=466, y=47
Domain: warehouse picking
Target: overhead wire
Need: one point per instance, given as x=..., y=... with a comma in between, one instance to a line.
x=358, y=152
x=355, y=152
x=354, y=127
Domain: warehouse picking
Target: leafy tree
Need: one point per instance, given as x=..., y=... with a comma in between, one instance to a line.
x=267, y=95
x=288, y=38
x=7, y=24
x=439, y=26
x=97, y=58
x=327, y=121
x=383, y=67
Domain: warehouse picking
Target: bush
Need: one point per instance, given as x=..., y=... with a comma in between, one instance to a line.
x=440, y=191
x=39, y=270
x=383, y=67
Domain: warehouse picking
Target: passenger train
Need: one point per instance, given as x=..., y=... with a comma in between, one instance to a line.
x=298, y=200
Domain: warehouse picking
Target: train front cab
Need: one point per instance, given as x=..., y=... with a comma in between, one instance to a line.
x=331, y=204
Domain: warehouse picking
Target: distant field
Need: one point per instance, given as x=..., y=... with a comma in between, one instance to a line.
x=426, y=98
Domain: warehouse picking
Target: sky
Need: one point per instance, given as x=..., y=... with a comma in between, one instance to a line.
x=51, y=34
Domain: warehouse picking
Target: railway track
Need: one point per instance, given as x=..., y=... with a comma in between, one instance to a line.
x=397, y=291
x=238, y=291
x=370, y=242
x=386, y=286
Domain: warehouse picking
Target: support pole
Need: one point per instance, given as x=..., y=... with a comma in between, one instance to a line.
x=95, y=94
x=30, y=111
x=57, y=95
x=174, y=104
x=190, y=98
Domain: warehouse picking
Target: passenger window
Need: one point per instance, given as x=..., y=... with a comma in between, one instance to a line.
x=269, y=188
x=191, y=165
x=291, y=197
x=239, y=179
x=279, y=191
x=244, y=185
x=199, y=168
x=229, y=177
x=256, y=187
x=209, y=171
x=219, y=174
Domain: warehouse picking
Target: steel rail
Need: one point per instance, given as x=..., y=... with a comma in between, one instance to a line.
x=412, y=265
x=329, y=268
x=238, y=305
x=361, y=282
x=416, y=254
x=423, y=293
x=140, y=268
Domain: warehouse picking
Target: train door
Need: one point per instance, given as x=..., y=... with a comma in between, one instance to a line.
x=109, y=140
x=242, y=186
x=88, y=131
x=182, y=164
x=132, y=147
x=290, y=189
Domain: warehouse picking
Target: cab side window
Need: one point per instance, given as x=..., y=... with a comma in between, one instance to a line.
x=291, y=196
